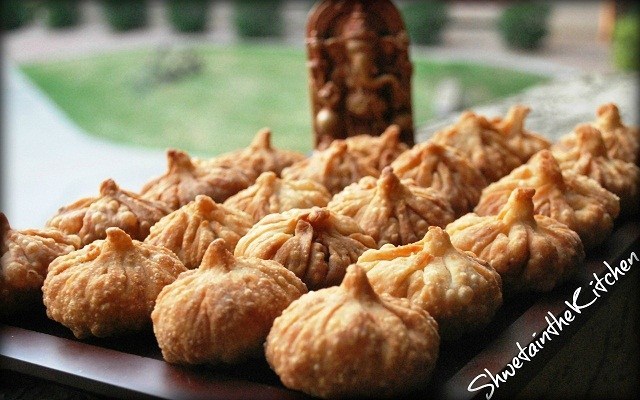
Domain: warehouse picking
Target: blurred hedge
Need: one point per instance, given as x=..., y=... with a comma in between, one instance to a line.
x=62, y=13
x=126, y=15
x=15, y=13
x=188, y=15
x=524, y=25
x=258, y=18
x=626, y=42
x=425, y=21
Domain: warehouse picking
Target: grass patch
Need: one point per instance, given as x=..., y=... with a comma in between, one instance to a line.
x=237, y=91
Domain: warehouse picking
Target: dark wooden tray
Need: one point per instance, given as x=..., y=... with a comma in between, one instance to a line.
x=132, y=366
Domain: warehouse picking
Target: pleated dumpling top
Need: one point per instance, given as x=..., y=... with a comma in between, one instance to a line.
x=481, y=143
x=335, y=167
x=575, y=200
x=445, y=170
x=588, y=156
x=260, y=156
x=222, y=311
x=90, y=217
x=461, y=291
x=316, y=244
x=188, y=177
x=270, y=194
x=189, y=230
x=393, y=211
x=348, y=342
x=531, y=252
x=108, y=287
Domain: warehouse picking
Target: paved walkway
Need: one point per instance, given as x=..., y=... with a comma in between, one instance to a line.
x=48, y=162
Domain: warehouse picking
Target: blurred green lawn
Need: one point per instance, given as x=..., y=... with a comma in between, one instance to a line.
x=239, y=90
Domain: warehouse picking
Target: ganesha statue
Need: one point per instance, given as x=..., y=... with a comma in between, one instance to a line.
x=359, y=70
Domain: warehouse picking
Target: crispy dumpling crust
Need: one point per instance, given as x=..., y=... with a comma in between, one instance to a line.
x=222, y=311
x=378, y=151
x=25, y=257
x=270, y=194
x=479, y=141
x=316, y=244
x=575, y=200
x=186, y=178
x=90, y=217
x=335, y=167
x=531, y=252
x=622, y=141
x=392, y=211
x=523, y=143
x=346, y=341
x=108, y=287
x=445, y=170
x=189, y=230
x=589, y=157
x=259, y=157
x=461, y=291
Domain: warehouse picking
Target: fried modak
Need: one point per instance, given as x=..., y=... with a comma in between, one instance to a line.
x=445, y=170
x=531, y=252
x=222, y=311
x=335, y=167
x=522, y=142
x=392, y=211
x=622, y=141
x=589, y=157
x=186, y=178
x=270, y=194
x=461, y=291
x=575, y=200
x=189, y=230
x=24, y=258
x=346, y=341
x=108, y=287
x=479, y=141
x=316, y=244
x=90, y=217
x=378, y=151
x=259, y=157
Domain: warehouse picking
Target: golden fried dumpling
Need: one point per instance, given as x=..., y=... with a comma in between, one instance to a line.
x=24, y=258
x=335, y=167
x=622, y=141
x=378, y=151
x=522, y=142
x=346, y=341
x=90, y=217
x=391, y=211
x=259, y=157
x=589, y=157
x=186, y=178
x=108, y=287
x=479, y=141
x=222, y=311
x=270, y=194
x=529, y=251
x=316, y=244
x=442, y=168
x=575, y=200
x=189, y=230
x=461, y=291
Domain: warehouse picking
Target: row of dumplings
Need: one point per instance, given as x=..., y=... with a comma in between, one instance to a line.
x=365, y=254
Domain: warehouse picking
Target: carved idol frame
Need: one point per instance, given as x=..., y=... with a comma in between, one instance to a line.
x=359, y=70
